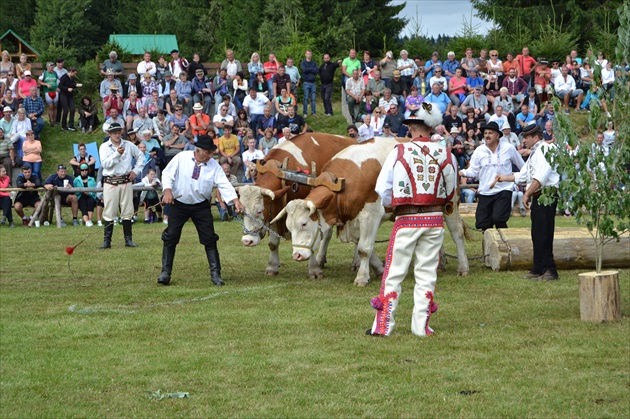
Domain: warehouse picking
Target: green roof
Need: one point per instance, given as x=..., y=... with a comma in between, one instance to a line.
x=18, y=38
x=137, y=44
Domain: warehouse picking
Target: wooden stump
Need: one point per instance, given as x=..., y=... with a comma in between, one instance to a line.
x=599, y=296
x=573, y=248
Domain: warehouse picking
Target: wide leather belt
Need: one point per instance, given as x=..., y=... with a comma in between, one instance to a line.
x=116, y=180
x=416, y=209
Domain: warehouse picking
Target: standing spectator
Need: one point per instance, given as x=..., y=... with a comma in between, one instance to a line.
x=60, y=71
x=526, y=64
x=231, y=65
x=271, y=68
x=326, y=77
x=368, y=66
x=349, y=64
x=88, y=115
x=174, y=143
x=118, y=176
x=309, y=78
x=280, y=81
x=294, y=74
x=490, y=160
x=27, y=198
x=254, y=67
x=161, y=68
x=5, y=198
x=61, y=180
x=177, y=65
x=86, y=200
x=112, y=64
x=32, y=150
x=147, y=66
x=48, y=83
x=34, y=106
x=67, y=85
x=387, y=66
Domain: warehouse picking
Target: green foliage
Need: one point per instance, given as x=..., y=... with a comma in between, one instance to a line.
x=17, y=15
x=553, y=42
x=123, y=55
x=89, y=75
x=55, y=51
x=623, y=46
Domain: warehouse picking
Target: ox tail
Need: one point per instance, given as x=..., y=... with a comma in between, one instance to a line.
x=467, y=232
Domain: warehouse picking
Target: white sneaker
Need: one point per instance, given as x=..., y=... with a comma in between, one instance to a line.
x=165, y=222
x=99, y=223
x=89, y=224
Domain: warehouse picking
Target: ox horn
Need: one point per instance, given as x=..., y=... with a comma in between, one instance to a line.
x=280, y=215
x=311, y=207
x=268, y=192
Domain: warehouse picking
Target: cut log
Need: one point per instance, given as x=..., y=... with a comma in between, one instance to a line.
x=58, y=218
x=599, y=296
x=573, y=248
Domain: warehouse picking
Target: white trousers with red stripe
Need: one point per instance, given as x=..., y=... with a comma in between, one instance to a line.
x=419, y=236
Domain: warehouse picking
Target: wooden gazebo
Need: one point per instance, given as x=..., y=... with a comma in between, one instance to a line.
x=21, y=46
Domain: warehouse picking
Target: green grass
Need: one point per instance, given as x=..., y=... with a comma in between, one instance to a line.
x=92, y=342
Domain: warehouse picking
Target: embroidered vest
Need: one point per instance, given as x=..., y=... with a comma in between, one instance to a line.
x=423, y=174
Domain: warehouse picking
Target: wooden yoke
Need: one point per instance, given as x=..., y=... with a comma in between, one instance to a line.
x=301, y=177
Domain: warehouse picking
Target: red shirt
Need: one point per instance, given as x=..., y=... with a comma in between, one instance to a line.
x=525, y=65
x=270, y=66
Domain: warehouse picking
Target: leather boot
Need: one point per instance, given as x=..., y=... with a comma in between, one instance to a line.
x=127, y=233
x=168, y=255
x=107, y=235
x=215, y=265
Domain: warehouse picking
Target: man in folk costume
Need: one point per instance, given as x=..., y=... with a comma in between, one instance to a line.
x=417, y=180
x=177, y=65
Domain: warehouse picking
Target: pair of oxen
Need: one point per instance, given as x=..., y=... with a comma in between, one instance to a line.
x=312, y=212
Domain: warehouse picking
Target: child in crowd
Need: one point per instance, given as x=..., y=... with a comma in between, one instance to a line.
x=152, y=211
x=87, y=200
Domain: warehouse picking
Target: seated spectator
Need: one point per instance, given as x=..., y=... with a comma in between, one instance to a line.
x=468, y=62
x=254, y=104
x=281, y=80
x=267, y=120
x=499, y=118
x=517, y=195
x=413, y=102
x=376, y=85
x=438, y=97
x=595, y=95
x=199, y=122
x=353, y=131
x=83, y=158
x=161, y=126
x=524, y=118
x=221, y=87
x=131, y=109
x=394, y=119
x=196, y=64
x=254, y=67
x=548, y=135
x=151, y=199
x=148, y=85
x=27, y=198
x=283, y=101
x=260, y=84
x=542, y=79
x=516, y=86
x=221, y=120
x=22, y=67
x=377, y=121
x=184, y=92
x=387, y=131
x=153, y=104
x=171, y=102
x=251, y=155
x=452, y=120
x=166, y=84
x=24, y=86
x=494, y=63
x=9, y=101
x=430, y=66
x=181, y=120
x=109, y=83
x=458, y=149
x=398, y=87
x=61, y=180
x=367, y=104
x=229, y=149
x=202, y=91
x=150, y=162
x=457, y=87
x=18, y=131
x=492, y=86
x=295, y=123
x=387, y=100
x=531, y=100
x=7, y=153
x=146, y=66
x=5, y=198
x=421, y=82
x=86, y=200
x=114, y=118
x=507, y=104
x=88, y=115
x=471, y=142
x=132, y=85
x=227, y=101
x=472, y=121
x=113, y=101
x=240, y=88
x=143, y=122
x=450, y=65
x=153, y=146
x=479, y=102
x=510, y=137
x=473, y=80
x=34, y=106
x=268, y=141
x=468, y=195
x=174, y=143
x=6, y=123
x=366, y=132
x=439, y=78
x=586, y=74
x=112, y=64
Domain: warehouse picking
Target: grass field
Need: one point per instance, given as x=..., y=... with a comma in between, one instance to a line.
x=94, y=341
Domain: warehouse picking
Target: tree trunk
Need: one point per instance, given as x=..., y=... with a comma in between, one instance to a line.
x=599, y=296
x=573, y=248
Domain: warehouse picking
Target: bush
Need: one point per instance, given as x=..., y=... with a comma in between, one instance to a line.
x=123, y=55
x=553, y=43
x=89, y=74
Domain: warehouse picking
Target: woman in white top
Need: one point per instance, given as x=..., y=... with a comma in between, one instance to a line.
x=378, y=120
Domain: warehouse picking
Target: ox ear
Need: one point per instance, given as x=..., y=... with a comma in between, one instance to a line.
x=280, y=215
x=281, y=192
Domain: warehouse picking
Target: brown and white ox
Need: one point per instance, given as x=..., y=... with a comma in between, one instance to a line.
x=356, y=211
x=264, y=200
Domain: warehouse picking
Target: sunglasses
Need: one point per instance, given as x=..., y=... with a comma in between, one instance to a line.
x=10, y=74
x=377, y=112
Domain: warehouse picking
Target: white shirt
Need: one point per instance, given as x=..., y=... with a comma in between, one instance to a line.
x=562, y=85
x=115, y=164
x=486, y=165
x=511, y=139
x=20, y=127
x=144, y=67
x=177, y=177
x=256, y=106
x=366, y=132
x=537, y=167
x=439, y=80
x=608, y=76
x=249, y=156
x=406, y=71
x=377, y=125
x=500, y=120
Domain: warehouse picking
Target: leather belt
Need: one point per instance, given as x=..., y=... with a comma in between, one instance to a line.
x=416, y=209
x=116, y=180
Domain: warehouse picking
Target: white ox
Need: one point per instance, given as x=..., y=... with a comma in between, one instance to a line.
x=356, y=211
x=264, y=200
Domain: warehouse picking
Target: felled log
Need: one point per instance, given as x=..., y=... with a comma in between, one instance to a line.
x=573, y=248
x=58, y=218
x=41, y=210
x=599, y=296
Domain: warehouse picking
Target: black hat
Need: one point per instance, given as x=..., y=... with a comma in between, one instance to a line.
x=114, y=127
x=174, y=50
x=493, y=126
x=531, y=129
x=205, y=142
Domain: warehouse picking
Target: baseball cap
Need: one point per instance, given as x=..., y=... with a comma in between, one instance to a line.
x=83, y=167
x=61, y=166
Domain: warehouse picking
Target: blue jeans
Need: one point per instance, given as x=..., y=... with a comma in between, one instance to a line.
x=309, y=94
x=467, y=196
x=38, y=126
x=36, y=168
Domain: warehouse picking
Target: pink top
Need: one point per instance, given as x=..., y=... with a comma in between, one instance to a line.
x=458, y=85
x=4, y=183
x=32, y=151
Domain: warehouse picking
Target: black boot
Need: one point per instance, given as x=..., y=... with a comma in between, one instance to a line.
x=107, y=234
x=168, y=255
x=215, y=265
x=127, y=233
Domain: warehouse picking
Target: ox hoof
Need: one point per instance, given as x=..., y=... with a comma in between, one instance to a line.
x=463, y=273
x=316, y=276
x=361, y=283
x=270, y=272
